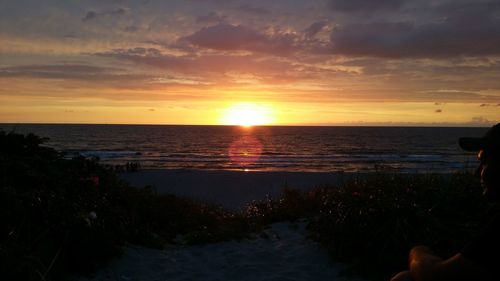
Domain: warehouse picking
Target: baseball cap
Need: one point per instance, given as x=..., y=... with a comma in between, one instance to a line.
x=490, y=141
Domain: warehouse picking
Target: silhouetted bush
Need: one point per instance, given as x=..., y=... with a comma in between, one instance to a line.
x=63, y=216
x=373, y=222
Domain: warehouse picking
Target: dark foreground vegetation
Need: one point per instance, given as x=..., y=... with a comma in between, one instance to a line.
x=70, y=216
x=372, y=223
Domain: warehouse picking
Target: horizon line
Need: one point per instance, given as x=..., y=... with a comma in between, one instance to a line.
x=361, y=124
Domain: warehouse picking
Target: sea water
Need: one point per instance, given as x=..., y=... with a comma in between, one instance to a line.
x=264, y=148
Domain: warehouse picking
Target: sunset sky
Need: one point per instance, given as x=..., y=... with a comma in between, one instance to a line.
x=291, y=62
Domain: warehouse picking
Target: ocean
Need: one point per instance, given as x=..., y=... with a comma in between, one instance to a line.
x=264, y=148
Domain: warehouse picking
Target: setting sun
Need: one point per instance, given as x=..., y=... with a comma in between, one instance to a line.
x=247, y=114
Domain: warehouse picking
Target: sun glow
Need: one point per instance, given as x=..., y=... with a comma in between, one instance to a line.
x=247, y=114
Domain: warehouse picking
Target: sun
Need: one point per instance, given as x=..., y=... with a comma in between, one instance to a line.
x=247, y=115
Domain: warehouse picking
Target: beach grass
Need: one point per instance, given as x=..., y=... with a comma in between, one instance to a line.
x=71, y=216
x=372, y=222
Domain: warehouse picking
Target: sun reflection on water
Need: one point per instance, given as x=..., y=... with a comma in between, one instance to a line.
x=245, y=151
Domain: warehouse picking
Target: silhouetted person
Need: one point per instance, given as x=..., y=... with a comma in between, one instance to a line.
x=480, y=258
x=133, y=166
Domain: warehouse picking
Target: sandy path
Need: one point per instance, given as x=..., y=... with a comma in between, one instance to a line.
x=281, y=252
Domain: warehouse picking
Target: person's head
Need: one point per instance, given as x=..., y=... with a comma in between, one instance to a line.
x=488, y=148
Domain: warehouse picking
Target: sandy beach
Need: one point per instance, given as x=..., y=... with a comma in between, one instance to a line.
x=231, y=189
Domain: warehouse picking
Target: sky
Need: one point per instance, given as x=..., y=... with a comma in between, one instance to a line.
x=280, y=62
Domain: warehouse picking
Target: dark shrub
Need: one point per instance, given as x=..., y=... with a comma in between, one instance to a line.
x=64, y=216
x=372, y=222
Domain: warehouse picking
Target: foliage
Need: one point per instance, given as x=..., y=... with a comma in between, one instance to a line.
x=61, y=216
x=292, y=205
x=373, y=221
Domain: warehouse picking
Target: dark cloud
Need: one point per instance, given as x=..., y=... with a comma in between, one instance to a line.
x=438, y=111
x=364, y=5
x=213, y=66
x=474, y=75
x=147, y=56
x=68, y=71
x=399, y=40
x=94, y=77
x=91, y=15
x=468, y=12
x=139, y=51
x=212, y=17
x=315, y=28
x=458, y=30
x=227, y=37
x=69, y=68
x=180, y=45
x=250, y=9
x=110, y=1
x=117, y=12
x=446, y=96
x=131, y=28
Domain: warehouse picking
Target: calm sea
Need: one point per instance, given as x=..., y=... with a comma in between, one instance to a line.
x=316, y=149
